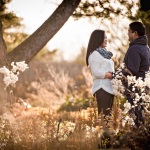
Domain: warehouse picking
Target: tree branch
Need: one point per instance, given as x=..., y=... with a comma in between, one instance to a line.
x=34, y=43
x=2, y=63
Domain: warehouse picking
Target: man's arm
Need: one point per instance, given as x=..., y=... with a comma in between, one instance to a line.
x=133, y=61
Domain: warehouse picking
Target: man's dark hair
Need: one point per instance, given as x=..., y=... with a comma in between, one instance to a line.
x=137, y=26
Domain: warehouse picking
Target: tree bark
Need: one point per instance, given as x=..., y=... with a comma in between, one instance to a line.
x=145, y=6
x=2, y=63
x=34, y=43
x=147, y=27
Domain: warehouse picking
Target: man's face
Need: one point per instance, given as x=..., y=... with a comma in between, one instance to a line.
x=132, y=35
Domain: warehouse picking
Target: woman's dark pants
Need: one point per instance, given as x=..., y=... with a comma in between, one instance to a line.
x=104, y=100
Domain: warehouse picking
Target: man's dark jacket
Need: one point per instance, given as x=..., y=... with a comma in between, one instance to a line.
x=137, y=59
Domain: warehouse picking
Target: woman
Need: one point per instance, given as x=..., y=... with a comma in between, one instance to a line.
x=102, y=66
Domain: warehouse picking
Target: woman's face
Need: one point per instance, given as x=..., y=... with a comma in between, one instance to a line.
x=104, y=44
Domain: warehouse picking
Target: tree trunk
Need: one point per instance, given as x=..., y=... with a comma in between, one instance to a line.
x=147, y=27
x=145, y=6
x=2, y=63
x=34, y=43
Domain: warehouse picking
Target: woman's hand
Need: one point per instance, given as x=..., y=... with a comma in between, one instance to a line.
x=108, y=75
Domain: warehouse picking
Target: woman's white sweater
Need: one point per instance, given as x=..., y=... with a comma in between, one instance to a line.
x=99, y=66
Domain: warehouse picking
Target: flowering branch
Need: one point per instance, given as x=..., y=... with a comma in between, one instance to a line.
x=11, y=77
x=139, y=91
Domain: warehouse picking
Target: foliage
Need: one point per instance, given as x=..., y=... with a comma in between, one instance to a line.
x=37, y=85
x=111, y=8
x=45, y=55
x=81, y=103
x=117, y=38
x=9, y=19
x=13, y=39
x=122, y=101
x=42, y=128
x=80, y=59
x=76, y=104
x=61, y=82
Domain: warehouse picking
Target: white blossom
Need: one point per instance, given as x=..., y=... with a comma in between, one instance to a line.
x=127, y=105
x=122, y=66
x=133, y=88
x=147, y=79
x=123, y=122
x=21, y=66
x=127, y=117
x=11, y=77
x=117, y=86
x=137, y=97
x=24, y=103
x=115, y=92
x=147, y=98
x=7, y=80
x=140, y=83
x=28, y=106
x=15, y=68
x=125, y=111
x=131, y=121
x=14, y=78
x=121, y=95
x=120, y=74
x=118, y=89
x=4, y=71
x=142, y=89
x=131, y=80
x=122, y=89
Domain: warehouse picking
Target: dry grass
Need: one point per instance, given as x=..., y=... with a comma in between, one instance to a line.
x=40, y=128
x=43, y=128
x=48, y=84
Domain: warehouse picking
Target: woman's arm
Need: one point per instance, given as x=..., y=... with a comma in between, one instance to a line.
x=96, y=61
x=96, y=71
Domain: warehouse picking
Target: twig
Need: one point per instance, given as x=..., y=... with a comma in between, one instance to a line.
x=58, y=126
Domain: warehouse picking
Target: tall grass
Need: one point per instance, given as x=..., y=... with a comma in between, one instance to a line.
x=46, y=129
x=42, y=128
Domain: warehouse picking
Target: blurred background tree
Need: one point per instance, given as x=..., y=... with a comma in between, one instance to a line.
x=80, y=59
x=11, y=25
x=131, y=9
x=117, y=40
x=134, y=10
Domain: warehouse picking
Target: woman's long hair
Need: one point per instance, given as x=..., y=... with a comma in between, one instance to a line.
x=96, y=39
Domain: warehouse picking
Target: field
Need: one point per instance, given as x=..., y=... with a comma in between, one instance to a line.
x=53, y=109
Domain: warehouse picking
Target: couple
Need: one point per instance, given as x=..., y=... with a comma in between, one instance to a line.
x=137, y=61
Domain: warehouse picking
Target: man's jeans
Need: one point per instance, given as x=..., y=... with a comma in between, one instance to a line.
x=138, y=113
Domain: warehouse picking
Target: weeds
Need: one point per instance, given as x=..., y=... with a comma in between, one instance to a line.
x=46, y=129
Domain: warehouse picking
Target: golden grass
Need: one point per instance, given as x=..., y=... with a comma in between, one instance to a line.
x=44, y=129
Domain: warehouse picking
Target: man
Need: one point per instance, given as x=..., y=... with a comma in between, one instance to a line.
x=137, y=60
